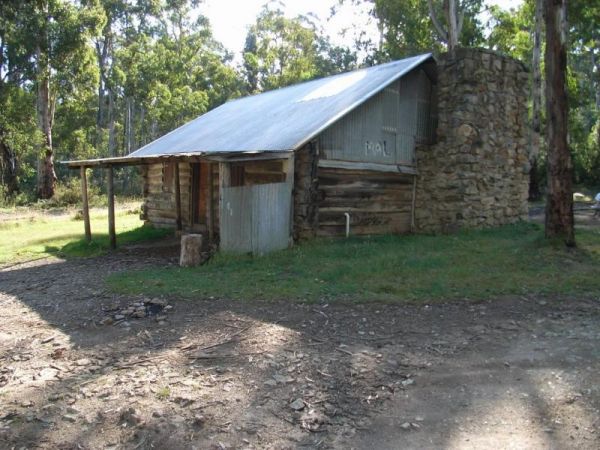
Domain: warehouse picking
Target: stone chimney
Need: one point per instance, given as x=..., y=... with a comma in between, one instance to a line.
x=476, y=173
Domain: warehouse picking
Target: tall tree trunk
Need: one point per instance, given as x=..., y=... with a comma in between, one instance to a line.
x=103, y=49
x=153, y=130
x=596, y=71
x=559, y=204
x=8, y=168
x=112, y=138
x=596, y=79
x=452, y=19
x=536, y=97
x=46, y=181
x=142, y=125
x=8, y=158
x=436, y=23
x=129, y=129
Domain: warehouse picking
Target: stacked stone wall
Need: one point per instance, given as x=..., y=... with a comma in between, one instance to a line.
x=476, y=174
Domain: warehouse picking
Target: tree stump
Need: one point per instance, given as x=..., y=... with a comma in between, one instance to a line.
x=191, y=244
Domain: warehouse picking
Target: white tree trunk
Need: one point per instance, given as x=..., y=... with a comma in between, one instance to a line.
x=129, y=127
x=436, y=23
x=453, y=30
x=112, y=144
x=454, y=20
x=46, y=177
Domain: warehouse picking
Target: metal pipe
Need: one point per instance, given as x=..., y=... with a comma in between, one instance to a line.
x=347, y=224
x=413, y=204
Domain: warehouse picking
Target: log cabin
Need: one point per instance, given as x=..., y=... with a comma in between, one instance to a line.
x=418, y=144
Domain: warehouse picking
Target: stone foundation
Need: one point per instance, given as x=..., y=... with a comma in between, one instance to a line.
x=476, y=175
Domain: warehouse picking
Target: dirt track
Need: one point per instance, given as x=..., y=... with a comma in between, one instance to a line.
x=513, y=373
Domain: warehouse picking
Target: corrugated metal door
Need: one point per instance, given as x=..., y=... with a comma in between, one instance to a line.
x=255, y=218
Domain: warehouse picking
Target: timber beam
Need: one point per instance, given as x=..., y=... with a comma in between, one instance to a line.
x=178, y=196
x=111, y=208
x=120, y=161
x=85, y=206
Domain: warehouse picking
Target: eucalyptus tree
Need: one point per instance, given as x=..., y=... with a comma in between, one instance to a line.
x=520, y=33
x=44, y=54
x=280, y=51
x=559, y=203
x=584, y=89
x=454, y=16
x=408, y=27
x=17, y=119
x=172, y=73
x=536, y=101
x=104, y=46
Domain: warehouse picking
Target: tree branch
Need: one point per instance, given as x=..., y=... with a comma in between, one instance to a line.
x=436, y=23
x=461, y=19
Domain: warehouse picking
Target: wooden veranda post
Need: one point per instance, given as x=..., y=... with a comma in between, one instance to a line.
x=224, y=182
x=177, y=196
x=111, y=209
x=85, y=206
x=210, y=204
x=288, y=169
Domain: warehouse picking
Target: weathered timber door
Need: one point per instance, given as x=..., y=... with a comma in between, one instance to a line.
x=199, y=193
x=255, y=218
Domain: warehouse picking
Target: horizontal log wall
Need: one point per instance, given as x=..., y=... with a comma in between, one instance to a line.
x=159, y=192
x=305, y=193
x=159, y=204
x=263, y=172
x=378, y=202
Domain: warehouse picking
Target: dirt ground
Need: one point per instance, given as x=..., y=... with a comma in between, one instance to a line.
x=79, y=371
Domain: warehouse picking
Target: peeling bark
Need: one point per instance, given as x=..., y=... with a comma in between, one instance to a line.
x=46, y=181
x=559, y=204
x=8, y=168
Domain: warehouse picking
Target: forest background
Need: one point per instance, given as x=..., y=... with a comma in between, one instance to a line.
x=97, y=78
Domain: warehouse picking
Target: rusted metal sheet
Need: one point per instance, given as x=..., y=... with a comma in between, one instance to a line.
x=384, y=129
x=256, y=219
x=415, y=105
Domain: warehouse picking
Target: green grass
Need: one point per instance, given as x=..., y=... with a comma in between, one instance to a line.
x=44, y=235
x=472, y=264
x=163, y=393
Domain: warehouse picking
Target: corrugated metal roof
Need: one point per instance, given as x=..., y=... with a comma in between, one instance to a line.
x=283, y=119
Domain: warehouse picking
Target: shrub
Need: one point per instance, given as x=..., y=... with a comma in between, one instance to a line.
x=10, y=201
x=68, y=193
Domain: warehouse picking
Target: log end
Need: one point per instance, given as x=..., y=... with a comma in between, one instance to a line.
x=191, y=250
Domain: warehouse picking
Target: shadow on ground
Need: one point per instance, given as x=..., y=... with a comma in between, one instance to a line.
x=214, y=373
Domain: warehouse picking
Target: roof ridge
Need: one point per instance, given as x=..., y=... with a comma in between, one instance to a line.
x=281, y=119
x=340, y=74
